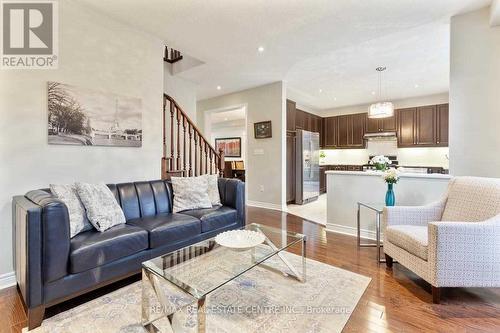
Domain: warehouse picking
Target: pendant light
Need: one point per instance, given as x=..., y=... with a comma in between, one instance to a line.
x=381, y=109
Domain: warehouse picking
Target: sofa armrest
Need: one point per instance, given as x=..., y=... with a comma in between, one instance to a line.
x=465, y=254
x=55, y=246
x=232, y=193
x=413, y=215
x=27, y=248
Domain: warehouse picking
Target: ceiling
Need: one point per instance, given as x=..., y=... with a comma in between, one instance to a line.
x=332, y=46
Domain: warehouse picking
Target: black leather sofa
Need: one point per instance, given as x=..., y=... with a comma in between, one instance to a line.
x=52, y=268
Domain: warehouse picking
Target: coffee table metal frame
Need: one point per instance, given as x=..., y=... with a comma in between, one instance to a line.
x=152, y=280
x=378, y=209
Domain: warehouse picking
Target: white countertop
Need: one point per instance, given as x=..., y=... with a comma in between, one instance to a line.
x=379, y=174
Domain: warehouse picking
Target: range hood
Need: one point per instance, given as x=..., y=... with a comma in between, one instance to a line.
x=380, y=136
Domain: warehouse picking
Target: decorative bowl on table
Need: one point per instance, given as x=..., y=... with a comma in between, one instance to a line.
x=240, y=240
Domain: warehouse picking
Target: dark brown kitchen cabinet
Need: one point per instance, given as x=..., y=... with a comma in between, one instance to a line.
x=322, y=133
x=330, y=128
x=406, y=127
x=351, y=129
x=425, y=134
x=290, y=167
x=377, y=125
x=290, y=115
x=442, y=119
x=358, y=122
x=343, y=132
x=425, y=126
x=299, y=119
x=322, y=179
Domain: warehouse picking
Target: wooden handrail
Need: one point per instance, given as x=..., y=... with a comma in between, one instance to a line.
x=172, y=164
x=193, y=125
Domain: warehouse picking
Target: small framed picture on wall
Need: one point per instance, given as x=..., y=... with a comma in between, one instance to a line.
x=263, y=130
x=230, y=146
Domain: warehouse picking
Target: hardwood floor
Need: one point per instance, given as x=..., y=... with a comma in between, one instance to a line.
x=395, y=301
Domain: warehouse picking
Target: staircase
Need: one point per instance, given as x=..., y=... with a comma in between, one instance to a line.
x=186, y=152
x=171, y=55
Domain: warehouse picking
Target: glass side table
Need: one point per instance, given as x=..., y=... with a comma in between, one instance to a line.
x=378, y=208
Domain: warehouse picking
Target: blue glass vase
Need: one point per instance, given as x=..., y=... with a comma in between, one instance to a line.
x=390, y=199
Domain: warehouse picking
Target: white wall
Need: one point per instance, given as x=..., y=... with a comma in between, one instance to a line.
x=231, y=130
x=266, y=170
x=98, y=53
x=398, y=104
x=474, y=95
x=182, y=90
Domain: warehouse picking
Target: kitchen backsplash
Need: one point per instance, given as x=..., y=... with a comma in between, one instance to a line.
x=406, y=156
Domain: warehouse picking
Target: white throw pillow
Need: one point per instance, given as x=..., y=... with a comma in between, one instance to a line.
x=213, y=189
x=102, y=209
x=190, y=193
x=78, y=221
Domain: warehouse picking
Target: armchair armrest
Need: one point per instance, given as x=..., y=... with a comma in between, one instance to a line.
x=465, y=254
x=413, y=215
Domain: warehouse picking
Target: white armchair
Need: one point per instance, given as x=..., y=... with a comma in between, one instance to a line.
x=451, y=243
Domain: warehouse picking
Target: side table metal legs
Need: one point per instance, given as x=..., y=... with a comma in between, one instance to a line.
x=378, y=244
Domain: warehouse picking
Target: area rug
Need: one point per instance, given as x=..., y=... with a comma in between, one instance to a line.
x=260, y=300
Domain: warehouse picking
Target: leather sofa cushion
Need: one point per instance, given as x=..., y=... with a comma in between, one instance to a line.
x=91, y=249
x=410, y=238
x=214, y=218
x=168, y=228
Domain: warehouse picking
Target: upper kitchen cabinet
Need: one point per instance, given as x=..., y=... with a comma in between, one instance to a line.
x=290, y=115
x=330, y=134
x=406, y=127
x=425, y=126
x=351, y=129
x=442, y=118
x=425, y=134
x=299, y=119
x=374, y=125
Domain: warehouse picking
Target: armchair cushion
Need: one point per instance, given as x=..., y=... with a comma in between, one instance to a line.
x=472, y=199
x=411, y=238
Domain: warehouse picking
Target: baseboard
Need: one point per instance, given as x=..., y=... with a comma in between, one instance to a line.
x=265, y=205
x=7, y=280
x=351, y=231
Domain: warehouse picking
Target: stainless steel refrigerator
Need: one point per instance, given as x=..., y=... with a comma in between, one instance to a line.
x=307, y=167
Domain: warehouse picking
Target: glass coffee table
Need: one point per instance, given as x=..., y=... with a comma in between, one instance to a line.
x=175, y=285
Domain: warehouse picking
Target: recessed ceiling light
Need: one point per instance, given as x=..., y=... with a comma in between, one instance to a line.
x=225, y=119
x=260, y=49
x=320, y=91
x=416, y=85
x=373, y=92
x=335, y=98
x=219, y=87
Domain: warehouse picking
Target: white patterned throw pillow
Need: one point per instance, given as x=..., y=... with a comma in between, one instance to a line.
x=213, y=189
x=102, y=209
x=190, y=193
x=78, y=221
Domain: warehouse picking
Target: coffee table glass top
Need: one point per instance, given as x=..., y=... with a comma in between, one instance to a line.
x=191, y=267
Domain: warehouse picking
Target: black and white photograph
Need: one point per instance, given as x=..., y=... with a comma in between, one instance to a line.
x=84, y=117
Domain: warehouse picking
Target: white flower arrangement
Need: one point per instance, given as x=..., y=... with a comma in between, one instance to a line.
x=391, y=176
x=380, y=161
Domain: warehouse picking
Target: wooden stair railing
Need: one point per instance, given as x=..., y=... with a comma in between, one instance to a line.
x=171, y=55
x=186, y=152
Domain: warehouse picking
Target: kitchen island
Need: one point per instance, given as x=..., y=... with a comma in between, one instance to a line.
x=346, y=188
